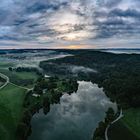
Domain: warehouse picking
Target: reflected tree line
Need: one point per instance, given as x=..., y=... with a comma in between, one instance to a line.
x=46, y=91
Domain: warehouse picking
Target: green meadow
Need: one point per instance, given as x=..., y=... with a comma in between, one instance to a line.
x=12, y=98
x=11, y=107
x=128, y=127
x=4, y=65
x=25, y=79
x=131, y=120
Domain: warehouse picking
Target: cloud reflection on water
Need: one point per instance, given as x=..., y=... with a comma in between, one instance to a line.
x=75, y=118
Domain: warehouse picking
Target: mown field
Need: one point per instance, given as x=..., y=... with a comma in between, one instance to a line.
x=131, y=120
x=128, y=127
x=11, y=101
x=5, y=65
x=1, y=83
x=119, y=131
x=26, y=79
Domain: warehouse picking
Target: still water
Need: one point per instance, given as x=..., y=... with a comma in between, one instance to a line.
x=75, y=118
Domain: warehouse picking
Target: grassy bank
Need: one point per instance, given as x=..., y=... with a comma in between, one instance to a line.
x=11, y=101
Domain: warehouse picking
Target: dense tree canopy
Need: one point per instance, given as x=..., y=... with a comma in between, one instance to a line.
x=118, y=74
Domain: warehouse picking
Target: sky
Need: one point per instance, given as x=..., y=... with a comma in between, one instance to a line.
x=69, y=24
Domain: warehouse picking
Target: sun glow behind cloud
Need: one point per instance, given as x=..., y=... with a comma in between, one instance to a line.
x=56, y=23
x=80, y=46
x=69, y=26
x=75, y=36
x=73, y=47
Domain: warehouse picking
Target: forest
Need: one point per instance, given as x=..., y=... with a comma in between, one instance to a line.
x=118, y=74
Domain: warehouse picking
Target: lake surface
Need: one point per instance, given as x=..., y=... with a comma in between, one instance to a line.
x=75, y=118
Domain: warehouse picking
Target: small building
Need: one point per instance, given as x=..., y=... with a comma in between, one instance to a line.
x=36, y=95
x=46, y=76
x=44, y=91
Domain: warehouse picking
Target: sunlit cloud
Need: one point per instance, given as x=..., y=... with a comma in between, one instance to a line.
x=73, y=47
x=80, y=46
x=66, y=22
x=77, y=35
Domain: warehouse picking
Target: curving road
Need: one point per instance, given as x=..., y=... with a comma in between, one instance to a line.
x=118, y=118
x=6, y=78
x=8, y=81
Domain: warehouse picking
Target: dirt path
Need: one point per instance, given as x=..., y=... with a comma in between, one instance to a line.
x=21, y=86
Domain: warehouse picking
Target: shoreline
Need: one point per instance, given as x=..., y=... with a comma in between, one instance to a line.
x=108, y=126
x=111, y=117
x=24, y=128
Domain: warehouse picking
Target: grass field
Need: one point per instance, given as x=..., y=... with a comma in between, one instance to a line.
x=1, y=83
x=6, y=65
x=131, y=120
x=25, y=79
x=25, y=75
x=21, y=78
x=11, y=101
x=118, y=131
x=21, y=75
x=128, y=127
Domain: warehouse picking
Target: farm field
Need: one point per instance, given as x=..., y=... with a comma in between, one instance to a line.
x=132, y=120
x=1, y=83
x=5, y=65
x=11, y=100
x=26, y=79
x=128, y=127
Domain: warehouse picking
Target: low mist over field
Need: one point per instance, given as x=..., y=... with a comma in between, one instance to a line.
x=30, y=58
x=77, y=69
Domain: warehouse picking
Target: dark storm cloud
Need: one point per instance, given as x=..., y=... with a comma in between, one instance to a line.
x=68, y=20
x=119, y=22
x=41, y=7
x=109, y=3
x=20, y=21
x=125, y=13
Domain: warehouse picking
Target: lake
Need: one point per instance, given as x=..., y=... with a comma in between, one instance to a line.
x=75, y=118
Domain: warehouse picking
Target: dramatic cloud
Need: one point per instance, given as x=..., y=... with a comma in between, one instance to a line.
x=68, y=22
